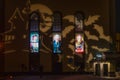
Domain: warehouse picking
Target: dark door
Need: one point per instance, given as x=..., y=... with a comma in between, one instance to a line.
x=105, y=69
x=97, y=69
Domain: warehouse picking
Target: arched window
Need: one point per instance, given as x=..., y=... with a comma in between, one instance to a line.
x=34, y=32
x=79, y=61
x=56, y=41
x=79, y=33
x=56, y=28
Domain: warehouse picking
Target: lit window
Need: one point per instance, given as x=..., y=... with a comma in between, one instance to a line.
x=56, y=32
x=34, y=32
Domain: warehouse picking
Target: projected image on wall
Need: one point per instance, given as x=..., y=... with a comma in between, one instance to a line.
x=34, y=42
x=79, y=43
x=56, y=43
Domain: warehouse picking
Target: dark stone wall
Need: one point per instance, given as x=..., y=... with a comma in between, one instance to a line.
x=97, y=30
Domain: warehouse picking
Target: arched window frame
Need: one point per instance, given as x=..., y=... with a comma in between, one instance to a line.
x=79, y=33
x=56, y=30
x=34, y=24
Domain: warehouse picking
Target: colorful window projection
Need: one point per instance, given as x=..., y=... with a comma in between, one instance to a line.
x=56, y=43
x=79, y=43
x=34, y=42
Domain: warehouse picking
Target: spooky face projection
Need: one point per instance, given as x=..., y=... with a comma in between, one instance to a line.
x=79, y=43
x=45, y=15
x=56, y=43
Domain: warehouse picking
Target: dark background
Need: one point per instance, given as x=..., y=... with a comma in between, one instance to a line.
x=118, y=16
x=104, y=8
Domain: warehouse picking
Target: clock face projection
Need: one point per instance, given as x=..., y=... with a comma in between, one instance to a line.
x=56, y=43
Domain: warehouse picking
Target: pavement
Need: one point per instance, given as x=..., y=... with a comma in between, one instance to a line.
x=64, y=77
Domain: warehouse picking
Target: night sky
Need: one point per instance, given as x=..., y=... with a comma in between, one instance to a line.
x=118, y=16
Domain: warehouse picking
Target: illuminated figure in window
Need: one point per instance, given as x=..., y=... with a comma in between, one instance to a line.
x=56, y=43
x=79, y=44
x=34, y=47
x=34, y=37
x=34, y=42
